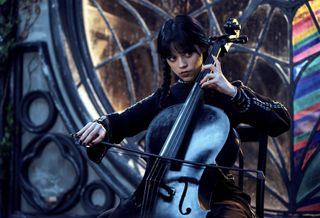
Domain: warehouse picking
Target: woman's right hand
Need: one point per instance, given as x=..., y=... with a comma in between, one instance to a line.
x=216, y=80
x=92, y=133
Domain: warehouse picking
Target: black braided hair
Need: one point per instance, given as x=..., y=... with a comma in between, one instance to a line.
x=184, y=34
x=165, y=87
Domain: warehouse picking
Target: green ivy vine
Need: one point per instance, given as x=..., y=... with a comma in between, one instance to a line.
x=6, y=141
x=7, y=40
x=6, y=31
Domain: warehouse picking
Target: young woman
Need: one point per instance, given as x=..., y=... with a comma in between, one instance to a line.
x=183, y=47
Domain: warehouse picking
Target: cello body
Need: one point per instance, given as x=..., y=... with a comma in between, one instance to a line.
x=177, y=190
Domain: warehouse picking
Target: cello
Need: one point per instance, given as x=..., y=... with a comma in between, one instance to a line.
x=192, y=131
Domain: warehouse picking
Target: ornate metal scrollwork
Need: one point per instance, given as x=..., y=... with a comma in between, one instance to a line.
x=45, y=179
x=88, y=194
x=24, y=112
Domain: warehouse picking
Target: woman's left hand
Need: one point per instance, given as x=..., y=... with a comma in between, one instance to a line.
x=216, y=80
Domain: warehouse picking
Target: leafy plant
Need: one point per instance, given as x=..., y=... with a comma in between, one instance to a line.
x=7, y=39
x=6, y=141
x=2, y=2
x=6, y=30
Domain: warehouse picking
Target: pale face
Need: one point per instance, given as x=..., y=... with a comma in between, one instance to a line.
x=185, y=65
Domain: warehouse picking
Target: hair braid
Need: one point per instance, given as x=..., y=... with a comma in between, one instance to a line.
x=165, y=87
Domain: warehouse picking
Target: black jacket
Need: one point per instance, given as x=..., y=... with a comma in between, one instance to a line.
x=246, y=107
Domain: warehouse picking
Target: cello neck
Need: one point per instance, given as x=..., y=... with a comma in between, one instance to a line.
x=215, y=52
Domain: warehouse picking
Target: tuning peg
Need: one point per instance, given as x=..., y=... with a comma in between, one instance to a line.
x=231, y=26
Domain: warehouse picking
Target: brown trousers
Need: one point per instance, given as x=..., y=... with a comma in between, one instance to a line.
x=230, y=209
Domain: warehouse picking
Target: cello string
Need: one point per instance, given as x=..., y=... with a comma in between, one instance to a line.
x=149, y=193
x=188, y=116
x=185, y=118
x=147, y=203
x=151, y=188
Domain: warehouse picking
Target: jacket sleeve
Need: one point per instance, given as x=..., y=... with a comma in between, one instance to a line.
x=259, y=111
x=125, y=124
x=132, y=120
